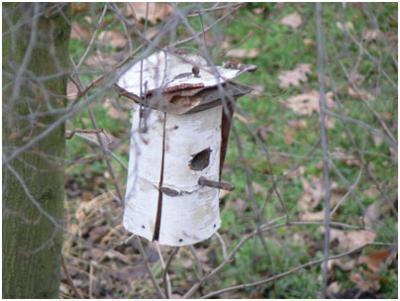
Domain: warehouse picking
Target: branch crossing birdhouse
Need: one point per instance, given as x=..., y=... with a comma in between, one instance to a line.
x=181, y=118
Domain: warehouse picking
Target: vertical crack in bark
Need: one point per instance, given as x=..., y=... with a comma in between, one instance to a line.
x=160, y=194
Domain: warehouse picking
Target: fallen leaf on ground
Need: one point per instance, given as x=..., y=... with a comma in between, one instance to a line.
x=344, y=264
x=223, y=193
x=348, y=240
x=345, y=26
x=79, y=7
x=298, y=124
x=365, y=283
x=371, y=192
x=239, y=205
x=113, y=38
x=258, y=10
x=375, y=259
x=293, y=20
x=154, y=11
x=309, y=42
x=372, y=214
x=294, y=77
x=333, y=289
x=288, y=133
x=360, y=94
x=80, y=33
x=312, y=195
x=312, y=216
x=152, y=32
x=371, y=35
x=257, y=90
x=243, y=53
x=377, y=139
x=293, y=174
x=127, y=274
x=307, y=103
x=259, y=189
x=97, y=60
x=97, y=233
x=346, y=158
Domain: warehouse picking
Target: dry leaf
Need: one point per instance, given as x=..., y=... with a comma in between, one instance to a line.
x=243, y=53
x=259, y=189
x=97, y=233
x=113, y=38
x=375, y=259
x=308, y=42
x=330, y=122
x=257, y=90
x=371, y=35
x=72, y=91
x=342, y=263
x=312, y=216
x=151, y=32
x=294, y=77
x=333, y=288
x=344, y=26
x=223, y=193
x=312, y=195
x=155, y=11
x=239, y=205
x=349, y=240
x=365, y=284
x=372, y=214
x=79, y=33
x=346, y=158
x=307, y=103
x=79, y=7
x=293, y=20
x=298, y=124
x=97, y=60
x=258, y=10
x=293, y=174
x=288, y=135
x=378, y=139
x=360, y=94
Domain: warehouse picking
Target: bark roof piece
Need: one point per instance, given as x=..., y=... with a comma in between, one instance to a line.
x=170, y=85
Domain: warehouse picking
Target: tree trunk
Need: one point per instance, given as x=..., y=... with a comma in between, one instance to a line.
x=35, y=60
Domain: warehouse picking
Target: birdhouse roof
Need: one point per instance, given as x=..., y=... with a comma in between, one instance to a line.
x=164, y=76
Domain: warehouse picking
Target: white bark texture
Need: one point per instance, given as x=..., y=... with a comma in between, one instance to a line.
x=190, y=212
x=170, y=150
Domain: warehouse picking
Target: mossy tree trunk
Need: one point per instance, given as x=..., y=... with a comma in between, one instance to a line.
x=35, y=60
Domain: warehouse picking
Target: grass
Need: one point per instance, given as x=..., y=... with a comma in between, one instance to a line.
x=281, y=48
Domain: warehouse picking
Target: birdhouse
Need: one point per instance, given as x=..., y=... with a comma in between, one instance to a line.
x=181, y=116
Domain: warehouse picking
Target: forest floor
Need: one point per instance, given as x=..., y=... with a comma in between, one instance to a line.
x=276, y=139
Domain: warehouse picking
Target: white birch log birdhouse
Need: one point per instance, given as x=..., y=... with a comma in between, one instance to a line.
x=180, y=125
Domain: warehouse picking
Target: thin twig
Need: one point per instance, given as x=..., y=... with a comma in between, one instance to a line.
x=324, y=143
x=221, y=240
x=165, y=273
x=69, y=279
x=91, y=42
x=147, y=265
x=168, y=285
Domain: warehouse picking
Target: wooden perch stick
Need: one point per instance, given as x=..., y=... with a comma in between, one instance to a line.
x=215, y=184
